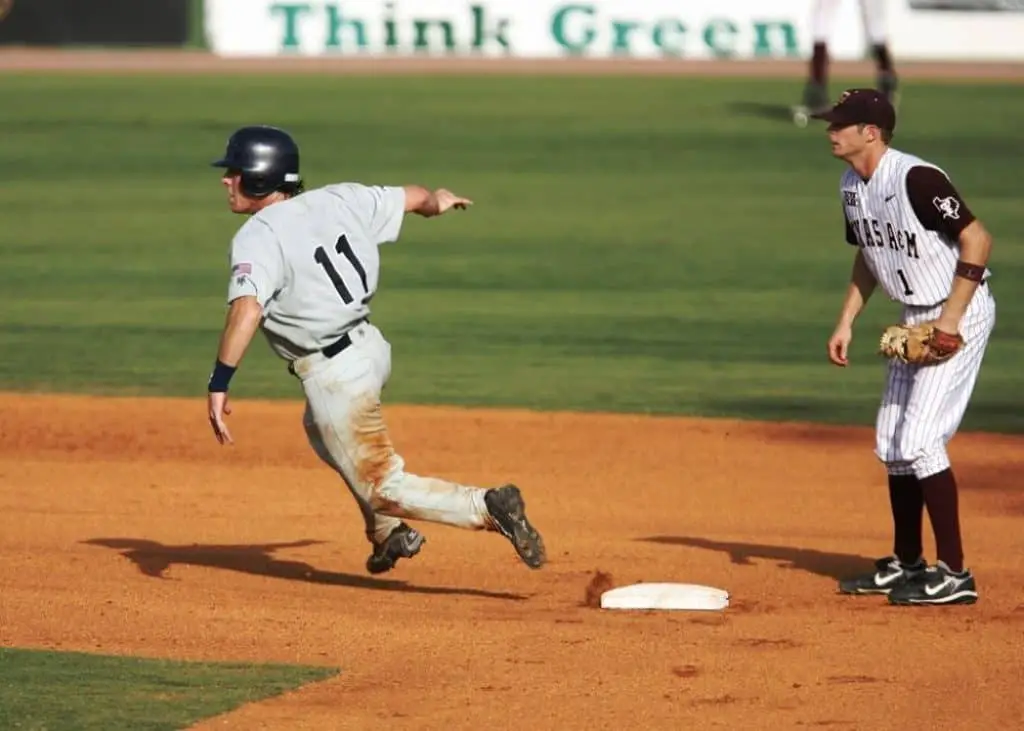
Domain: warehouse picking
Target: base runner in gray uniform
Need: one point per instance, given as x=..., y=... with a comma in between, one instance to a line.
x=304, y=267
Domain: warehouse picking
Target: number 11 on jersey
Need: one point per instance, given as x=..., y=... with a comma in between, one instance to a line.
x=343, y=247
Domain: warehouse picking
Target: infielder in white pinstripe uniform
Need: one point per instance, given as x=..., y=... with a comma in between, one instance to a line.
x=918, y=240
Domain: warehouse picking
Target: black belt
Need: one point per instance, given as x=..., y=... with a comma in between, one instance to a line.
x=343, y=342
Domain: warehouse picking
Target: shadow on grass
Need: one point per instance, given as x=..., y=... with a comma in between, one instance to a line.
x=774, y=112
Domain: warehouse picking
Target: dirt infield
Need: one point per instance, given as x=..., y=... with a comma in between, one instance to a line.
x=125, y=528
x=189, y=62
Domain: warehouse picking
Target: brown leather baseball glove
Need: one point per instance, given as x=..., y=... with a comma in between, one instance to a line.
x=922, y=344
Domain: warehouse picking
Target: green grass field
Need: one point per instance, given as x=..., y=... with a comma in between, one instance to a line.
x=74, y=691
x=643, y=244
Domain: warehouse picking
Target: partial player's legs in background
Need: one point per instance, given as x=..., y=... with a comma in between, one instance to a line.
x=816, y=90
x=816, y=97
x=876, y=29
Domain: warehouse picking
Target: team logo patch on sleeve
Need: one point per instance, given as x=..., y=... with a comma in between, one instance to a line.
x=948, y=206
x=850, y=197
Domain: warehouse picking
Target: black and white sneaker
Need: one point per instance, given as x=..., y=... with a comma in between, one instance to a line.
x=815, y=97
x=402, y=542
x=508, y=517
x=937, y=585
x=889, y=573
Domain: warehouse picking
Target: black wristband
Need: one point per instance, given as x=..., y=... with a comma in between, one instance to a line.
x=220, y=377
x=970, y=271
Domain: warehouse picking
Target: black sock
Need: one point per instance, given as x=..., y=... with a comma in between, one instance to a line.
x=940, y=497
x=907, y=500
x=819, y=64
x=882, y=58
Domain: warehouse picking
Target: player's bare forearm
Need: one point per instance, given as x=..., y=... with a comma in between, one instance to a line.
x=243, y=319
x=975, y=248
x=417, y=199
x=428, y=203
x=862, y=285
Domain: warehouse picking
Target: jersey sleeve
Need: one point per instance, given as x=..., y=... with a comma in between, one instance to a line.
x=851, y=237
x=256, y=266
x=849, y=234
x=380, y=208
x=936, y=202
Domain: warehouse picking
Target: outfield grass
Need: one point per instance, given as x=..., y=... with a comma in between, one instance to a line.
x=644, y=244
x=82, y=692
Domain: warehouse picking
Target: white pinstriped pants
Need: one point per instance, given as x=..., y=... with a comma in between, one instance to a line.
x=872, y=13
x=923, y=405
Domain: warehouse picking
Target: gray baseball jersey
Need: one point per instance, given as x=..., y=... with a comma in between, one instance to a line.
x=312, y=262
x=907, y=219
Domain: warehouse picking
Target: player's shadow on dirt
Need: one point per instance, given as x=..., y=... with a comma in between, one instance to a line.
x=153, y=559
x=833, y=565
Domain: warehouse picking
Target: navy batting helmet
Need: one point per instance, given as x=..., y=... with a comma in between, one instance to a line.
x=267, y=158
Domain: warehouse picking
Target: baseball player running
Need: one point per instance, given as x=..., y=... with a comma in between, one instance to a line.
x=916, y=237
x=304, y=267
x=815, y=96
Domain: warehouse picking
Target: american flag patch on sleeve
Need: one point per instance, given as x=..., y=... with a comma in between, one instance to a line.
x=244, y=268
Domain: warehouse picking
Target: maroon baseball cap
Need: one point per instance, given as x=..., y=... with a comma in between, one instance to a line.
x=861, y=106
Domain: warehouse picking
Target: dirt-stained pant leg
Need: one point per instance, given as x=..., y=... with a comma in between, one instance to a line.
x=378, y=527
x=346, y=425
x=923, y=405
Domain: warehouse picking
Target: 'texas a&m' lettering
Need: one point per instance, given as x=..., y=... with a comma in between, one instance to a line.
x=871, y=232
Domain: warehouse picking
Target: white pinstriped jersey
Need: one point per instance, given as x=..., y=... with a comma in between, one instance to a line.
x=913, y=264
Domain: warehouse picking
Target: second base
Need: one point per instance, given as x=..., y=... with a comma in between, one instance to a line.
x=665, y=596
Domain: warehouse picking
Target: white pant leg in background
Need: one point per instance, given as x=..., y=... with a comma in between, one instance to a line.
x=823, y=17
x=923, y=406
x=345, y=427
x=873, y=15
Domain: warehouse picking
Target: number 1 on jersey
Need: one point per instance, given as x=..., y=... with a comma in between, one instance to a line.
x=906, y=285
x=344, y=248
